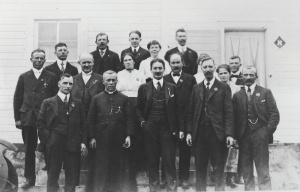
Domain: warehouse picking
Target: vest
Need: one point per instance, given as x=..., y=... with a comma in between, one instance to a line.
x=87, y=98
x=205, y=116
x=62, y=126
x=252, y=119
x=158, y=110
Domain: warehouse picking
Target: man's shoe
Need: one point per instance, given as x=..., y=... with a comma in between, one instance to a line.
x=27, y=184
x=185, y=184
x=231, y=183
x=163, y=184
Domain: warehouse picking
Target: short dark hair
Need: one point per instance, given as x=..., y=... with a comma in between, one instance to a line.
x=153, y=42
x=60, y=44
x=235, y=57
x=129, y=54
x=67, y=75
x=38, y=50
x=100, y=34
x=180, y=30
x=223, y=66
x=176, y=53
x=203, y=57
x=136, y=32
x=157, y=60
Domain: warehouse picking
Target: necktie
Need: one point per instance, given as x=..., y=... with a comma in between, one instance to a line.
x=102, y=53
x=249, y=94
x=134, y=51
x=158, y=86
x=66, y=101
x=234, y=76
x=182, y=50
x=207, y=89
x=62, y=67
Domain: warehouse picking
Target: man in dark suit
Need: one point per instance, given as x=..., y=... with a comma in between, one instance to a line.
x=61, y=65
x=189, y=56
x=236, y=74
x=32, y=88
x=158, y=111
x=256, y=119
x=209, y=125
x=105, y=59
x=62, y=127
x=184, y=83
x=138, y=52
x=87, y=84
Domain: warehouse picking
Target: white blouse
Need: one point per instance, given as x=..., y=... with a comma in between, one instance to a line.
x=129, y=83
x=145, y=68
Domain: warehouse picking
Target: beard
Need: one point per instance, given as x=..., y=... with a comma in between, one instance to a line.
x=208, y=75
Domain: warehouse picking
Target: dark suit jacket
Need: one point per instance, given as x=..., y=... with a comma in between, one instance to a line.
x=96, y=85
x=219, y=107
x=56, y=70
x=189, y=58
x=144, y=102
x=185, y=86
x=141, y=55
x=265, y=108
x=110, y=61
x=48, y=118
x=30, y=93
x=239, y=80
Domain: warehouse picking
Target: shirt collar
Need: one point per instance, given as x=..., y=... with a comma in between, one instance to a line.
x=155, y=81
x=179, y=74
x=110, y=92
x=180, y=47
x=87, y=74
x=210, y=83
x=104, y=50
x=63, y=96
x=252, y=87
x=137, y=48
x=60, y=61
x=36, y=70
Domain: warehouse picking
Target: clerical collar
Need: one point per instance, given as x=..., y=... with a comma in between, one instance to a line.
x=58, y=61
x=237, y=73
x=62, y=96
x=155, y=81
x=181, y=47
x=135, y=48
x=211, y=82
x=37, y=70
x=110, y=92
x=87, y=74
x=176, y=75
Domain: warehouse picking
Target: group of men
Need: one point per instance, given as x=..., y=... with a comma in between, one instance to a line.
x=73, y=112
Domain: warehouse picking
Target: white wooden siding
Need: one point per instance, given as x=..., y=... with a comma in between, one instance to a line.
x=205, y=21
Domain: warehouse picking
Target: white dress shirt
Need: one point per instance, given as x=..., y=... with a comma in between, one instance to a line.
x=86, y=76
x=129, y=83
x=182, y=48
x=176, y=78
x=37, y=73
x=63, y=96
x=137, y=49
x=104, y=51
x=210, y=83
x=252, y=87
x=233, y=79
x=155, y=81
x=59, y=62
x=145, y=68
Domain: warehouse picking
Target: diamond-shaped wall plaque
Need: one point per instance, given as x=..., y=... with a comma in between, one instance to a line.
x=279, y=42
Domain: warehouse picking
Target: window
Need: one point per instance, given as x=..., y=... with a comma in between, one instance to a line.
x=49, y=33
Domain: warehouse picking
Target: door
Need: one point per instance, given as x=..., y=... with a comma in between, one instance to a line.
x=250, y=47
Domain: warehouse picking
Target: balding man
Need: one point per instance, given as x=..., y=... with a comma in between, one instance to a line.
x=256, y=119
x=110, y=131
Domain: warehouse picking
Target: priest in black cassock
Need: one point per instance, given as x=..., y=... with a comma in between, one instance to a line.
x=110, y=130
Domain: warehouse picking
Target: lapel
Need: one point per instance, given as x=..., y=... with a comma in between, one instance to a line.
x=31, y=77
x=106, y=55
x=71, y=104
x=201, y=93
x=149, y=92
x=214, y=88
x=139, y=52
x=170, y=79
x=93, y=80
x=68, y=65
x=42, y=80
x=56, y=68
x=54, y=104
x=256, y=95
x=180, y=80
x=167, y=92
x=79, y=81
x=244, y=98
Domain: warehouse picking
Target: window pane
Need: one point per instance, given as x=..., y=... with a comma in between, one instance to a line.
x=68, y=31
x=47, y=32
x=49, y=49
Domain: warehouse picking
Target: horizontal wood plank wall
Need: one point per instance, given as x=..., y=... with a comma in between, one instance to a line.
x=205, y=22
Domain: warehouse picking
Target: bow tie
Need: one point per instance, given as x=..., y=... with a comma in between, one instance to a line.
x=236, y=76
x=176, y=75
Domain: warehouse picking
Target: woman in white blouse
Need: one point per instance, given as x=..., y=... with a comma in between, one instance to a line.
x=224, y=75
x=154, y=48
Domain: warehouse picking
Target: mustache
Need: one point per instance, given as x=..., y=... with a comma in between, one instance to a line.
x=158, y=73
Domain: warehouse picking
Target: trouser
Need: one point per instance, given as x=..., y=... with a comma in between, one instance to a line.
x=160, y=141
x=57, y=155
x=207, y=146
x=184, y=160
x=30, y=139
x=254, y=146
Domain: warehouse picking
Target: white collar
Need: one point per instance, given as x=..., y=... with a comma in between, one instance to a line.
x=37, y=71
x=104, y=50
x=63, y=96
x=210, y=83
x=137, y=48
x=110, y=92
x=181, y=47
x=177, y=76
x=252, y=87
x=86, y=74
x=58, y=61
x=155, y=81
